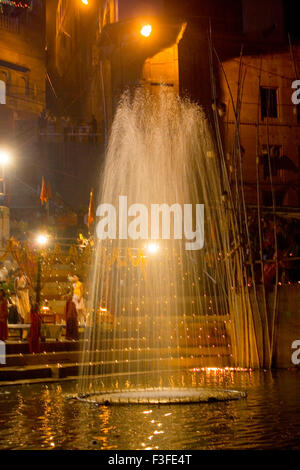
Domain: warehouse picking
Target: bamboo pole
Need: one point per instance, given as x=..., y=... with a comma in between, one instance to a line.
x=275, y=301
x=267, y=352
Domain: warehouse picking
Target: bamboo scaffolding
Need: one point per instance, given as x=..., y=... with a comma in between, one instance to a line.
x=246, y=331
x=267, y=346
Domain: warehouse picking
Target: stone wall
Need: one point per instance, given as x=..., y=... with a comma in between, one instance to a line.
x=288, y=322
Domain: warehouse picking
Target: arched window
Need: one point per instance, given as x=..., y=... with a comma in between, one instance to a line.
x=2, y=92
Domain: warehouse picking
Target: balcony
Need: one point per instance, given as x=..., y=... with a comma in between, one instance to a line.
x=9, y=23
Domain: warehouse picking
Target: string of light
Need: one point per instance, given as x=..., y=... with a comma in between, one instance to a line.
x=17, y=3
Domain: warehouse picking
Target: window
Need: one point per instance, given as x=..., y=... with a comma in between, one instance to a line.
x=2, y=92
x=275, y=156
x=268, y=100
x=21, y=86
x=267, y=197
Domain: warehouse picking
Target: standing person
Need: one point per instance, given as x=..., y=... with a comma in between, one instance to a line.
x=22, y=296
x=78, y=298
x=3, y=316
x=3, y=273
x=70, y=128
x=71, y=319
x=13, y=314
x=35, y=329
x=93, y=129
x=42, y=123
x=64, y=125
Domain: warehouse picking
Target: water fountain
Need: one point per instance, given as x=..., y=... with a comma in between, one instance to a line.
x=157, y=309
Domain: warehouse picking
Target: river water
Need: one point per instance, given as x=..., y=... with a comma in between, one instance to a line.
x=41, y=417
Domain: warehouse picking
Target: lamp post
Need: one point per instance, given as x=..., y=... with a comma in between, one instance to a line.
x=4, y=160
x=41, y=240
x=4, y=211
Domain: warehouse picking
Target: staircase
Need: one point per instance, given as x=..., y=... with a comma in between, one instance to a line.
x=125, y=352
x=131, y=344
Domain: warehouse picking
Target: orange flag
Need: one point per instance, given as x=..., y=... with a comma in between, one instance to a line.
x=91, y=216
x=43, y=196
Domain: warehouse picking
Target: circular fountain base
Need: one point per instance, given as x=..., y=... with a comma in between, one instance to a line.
x=161, y=396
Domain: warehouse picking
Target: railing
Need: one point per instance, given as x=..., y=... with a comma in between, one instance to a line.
x=72, y=134
x=9, y=23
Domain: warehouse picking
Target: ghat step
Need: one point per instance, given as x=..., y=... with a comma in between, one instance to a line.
x=22, y=347
x=150, y=364
x=112, y=354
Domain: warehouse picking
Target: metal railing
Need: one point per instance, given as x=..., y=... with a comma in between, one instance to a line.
x=9, y=23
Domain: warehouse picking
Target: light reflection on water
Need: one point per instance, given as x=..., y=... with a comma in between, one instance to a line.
x=40, y=417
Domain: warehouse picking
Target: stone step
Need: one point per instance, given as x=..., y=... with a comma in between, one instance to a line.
x=128, y=353
x=16, y=348
x=148, y=364
x=120, y=339
x=22, y=347
x=51, y=282
x=24, y=373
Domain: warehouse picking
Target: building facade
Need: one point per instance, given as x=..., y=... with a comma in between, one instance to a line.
x=96, y=51
x=269, y=125
x=22, y=59
x=22, y=94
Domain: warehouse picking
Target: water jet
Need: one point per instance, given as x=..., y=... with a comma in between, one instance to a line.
x=179, y=309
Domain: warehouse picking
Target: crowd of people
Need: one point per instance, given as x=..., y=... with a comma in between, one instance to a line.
x=79, y=130
x=17, y=307
x=278, y=247
x=7, y=309
x=285, y=246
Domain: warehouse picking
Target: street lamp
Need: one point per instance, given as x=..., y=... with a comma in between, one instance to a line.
x=4, y=160
x=152, y=248
x=41, y=240
x=146, y=30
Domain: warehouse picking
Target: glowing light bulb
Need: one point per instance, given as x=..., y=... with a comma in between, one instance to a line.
x=42, y=239
x=152, y=248
x=146, y=30
x=85, y=2
x=4, y=158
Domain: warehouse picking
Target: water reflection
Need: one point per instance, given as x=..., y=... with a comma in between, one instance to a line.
x=40, y=417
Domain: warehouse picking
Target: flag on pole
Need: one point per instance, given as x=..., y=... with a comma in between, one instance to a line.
x=43, y=195
x=91, y=216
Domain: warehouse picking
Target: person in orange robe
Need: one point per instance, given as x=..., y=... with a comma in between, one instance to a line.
x=35, y=329
x=3, y=316
x=71, y=320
